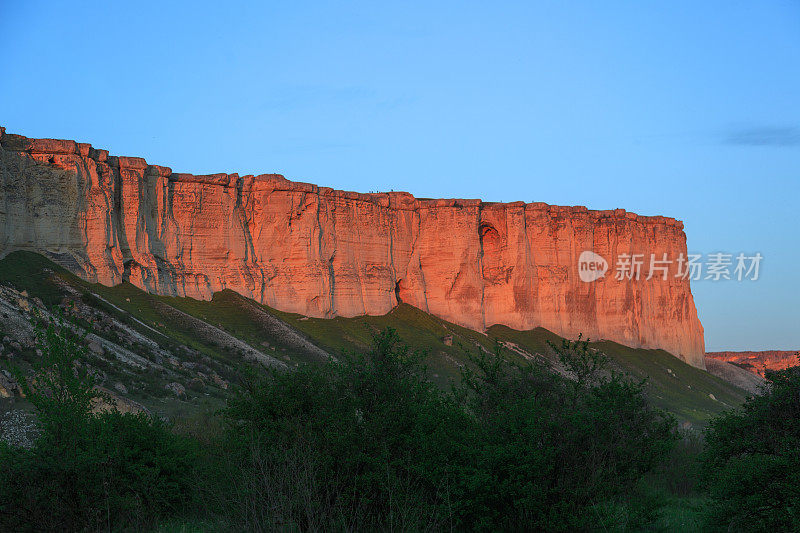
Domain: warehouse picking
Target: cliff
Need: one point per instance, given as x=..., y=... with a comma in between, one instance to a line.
x=759, y=362
x=321, y=252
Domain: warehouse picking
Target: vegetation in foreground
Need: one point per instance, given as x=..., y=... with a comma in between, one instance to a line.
x=86, y=470
x=369, y=442
x=752, y=459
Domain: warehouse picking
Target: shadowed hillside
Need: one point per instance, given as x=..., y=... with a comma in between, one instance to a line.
x=179, y=356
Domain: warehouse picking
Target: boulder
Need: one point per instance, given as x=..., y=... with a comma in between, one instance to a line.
x=95, y=348
x=176, y=388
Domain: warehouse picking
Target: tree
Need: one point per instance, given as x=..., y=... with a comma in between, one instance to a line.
x=370, y=443
x=86, y=470
x=366, y=442
x=552, y=451
x=752, y=459
x=61, y=388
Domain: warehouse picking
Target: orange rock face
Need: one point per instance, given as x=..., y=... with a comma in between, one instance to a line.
x=324, y=253
x=760, y=362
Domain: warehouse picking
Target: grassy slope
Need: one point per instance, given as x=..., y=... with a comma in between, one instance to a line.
x=44, y=279
x=673, y=385
x=419, y=330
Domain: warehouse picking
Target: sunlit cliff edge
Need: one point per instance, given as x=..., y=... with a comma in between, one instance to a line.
x=760, y=362
x=321, y=252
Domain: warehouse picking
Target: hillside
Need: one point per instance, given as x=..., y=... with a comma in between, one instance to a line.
x=177, y=357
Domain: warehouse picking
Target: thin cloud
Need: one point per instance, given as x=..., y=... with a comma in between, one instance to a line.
x=764, y=136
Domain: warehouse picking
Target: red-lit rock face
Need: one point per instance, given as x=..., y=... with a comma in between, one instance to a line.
x=320, y=252
x=760, y=362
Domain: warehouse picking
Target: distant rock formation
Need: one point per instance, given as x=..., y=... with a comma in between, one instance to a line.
x=760, y=362
x=324, y=253
x=749, y=381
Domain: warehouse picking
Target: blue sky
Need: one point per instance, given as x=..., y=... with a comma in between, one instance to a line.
x=685, y=109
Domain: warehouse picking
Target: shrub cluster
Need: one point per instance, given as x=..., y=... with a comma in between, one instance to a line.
x=89, y=471
x=751, y=460
x=367, y=442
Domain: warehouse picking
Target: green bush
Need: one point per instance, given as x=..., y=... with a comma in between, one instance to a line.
x=369, y=442
x=118, y=470
x=556, y=453
x=361, y=443
x=364, y=443
x=85, y=470
x=752, y=460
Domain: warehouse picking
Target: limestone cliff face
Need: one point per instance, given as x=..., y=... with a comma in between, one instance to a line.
x=323, y=253
x=759, y=362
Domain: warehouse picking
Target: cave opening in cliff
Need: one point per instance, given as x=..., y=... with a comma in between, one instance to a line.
x=489, y=236
x=486, y=229
x=493, y=269
x=397, y=289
